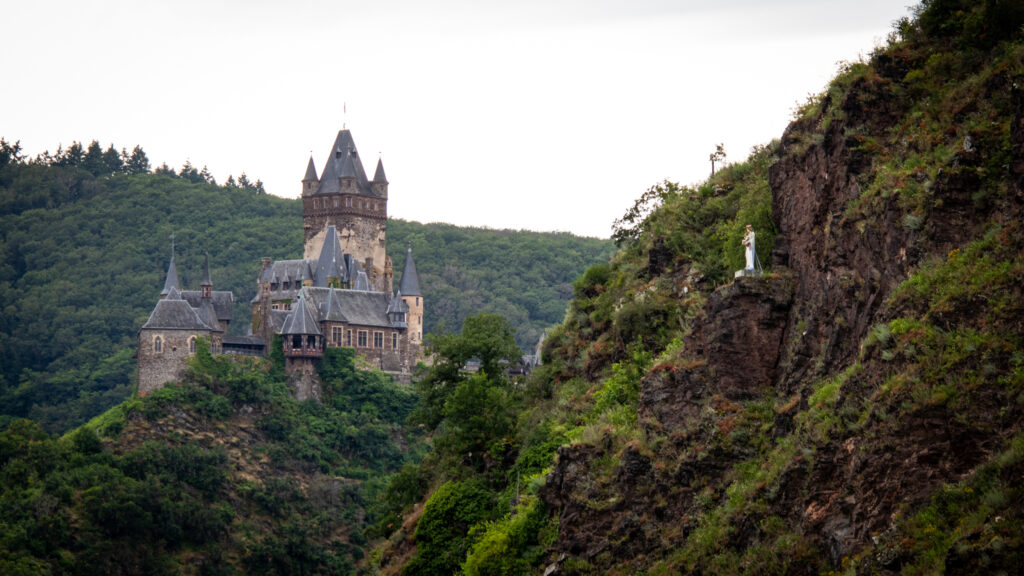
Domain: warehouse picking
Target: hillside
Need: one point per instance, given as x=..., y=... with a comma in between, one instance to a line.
x=223, y=473
x=859, y=409
x=84, y=247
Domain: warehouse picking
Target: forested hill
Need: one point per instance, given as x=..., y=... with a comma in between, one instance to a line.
x=85, y=240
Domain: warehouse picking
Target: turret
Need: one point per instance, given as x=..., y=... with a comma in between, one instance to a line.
x=310, y=181
x=300, y=334
x=380, y=181
x=409, y=288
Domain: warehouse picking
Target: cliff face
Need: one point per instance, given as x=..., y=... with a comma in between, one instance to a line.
x=841, y=412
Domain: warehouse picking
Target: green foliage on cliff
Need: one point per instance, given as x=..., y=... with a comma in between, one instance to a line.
x=223, y=473
x=893, y=447
x=84, y=249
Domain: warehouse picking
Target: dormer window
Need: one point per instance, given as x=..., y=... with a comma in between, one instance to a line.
x=273, y=286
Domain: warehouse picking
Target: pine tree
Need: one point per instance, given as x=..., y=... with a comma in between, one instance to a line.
x=94, y=161
x=138, y=163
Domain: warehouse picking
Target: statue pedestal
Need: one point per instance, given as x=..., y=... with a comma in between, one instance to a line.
x=745, y=272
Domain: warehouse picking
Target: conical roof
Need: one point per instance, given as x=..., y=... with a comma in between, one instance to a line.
x=410, y=285
x=172, y=279
x=310, y=171
x=301, y=320
x=206, y=273
x=378, y=175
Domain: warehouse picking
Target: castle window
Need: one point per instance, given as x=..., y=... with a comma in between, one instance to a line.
x=348, y=337
x=335, y=202
x=394, y=340
x=158, y=344
x=417, y=301
x=361, y=342
x=192, y=345
x=348, y=202
x=336, y=335
x=273, y=286
x=316, y=203
x=378, y=339
x=375, y=206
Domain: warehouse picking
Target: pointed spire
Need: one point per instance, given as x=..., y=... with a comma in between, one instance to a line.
x=378, y=175
x=310, y=171
x=410, y=285
x=206, y=285
x=171, y=283
x=206, y=273
x=301, y=320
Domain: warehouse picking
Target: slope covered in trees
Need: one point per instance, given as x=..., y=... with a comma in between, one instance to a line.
x=223, y=473
x=85, y=239
x=857, y=410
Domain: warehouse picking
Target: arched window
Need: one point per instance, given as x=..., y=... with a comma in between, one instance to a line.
x=192, y=345
x=158, y=344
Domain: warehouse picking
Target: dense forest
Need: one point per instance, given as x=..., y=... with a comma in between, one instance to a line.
x=223, y=473
x=85, y=239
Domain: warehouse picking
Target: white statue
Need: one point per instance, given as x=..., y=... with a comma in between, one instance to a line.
x=748, y=242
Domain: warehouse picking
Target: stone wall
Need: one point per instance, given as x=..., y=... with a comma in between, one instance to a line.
x=159, y=368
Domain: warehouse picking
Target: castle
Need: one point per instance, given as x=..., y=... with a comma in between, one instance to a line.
x=339, y=294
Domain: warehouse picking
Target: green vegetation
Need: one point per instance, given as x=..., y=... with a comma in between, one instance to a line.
x=916, y=437
x=223, y=473
x=84, y=246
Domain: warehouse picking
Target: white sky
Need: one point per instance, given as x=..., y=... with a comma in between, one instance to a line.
x=524, y=114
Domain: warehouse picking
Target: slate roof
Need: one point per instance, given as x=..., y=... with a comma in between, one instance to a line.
x=378, y=175
x=351, y=306
x=209, y=316
x=410, y=285
x=172, y=279
x=343, y=162
x=173, y=313
x=331, y=263
x=277, y=318
x=243, y=340
x=310, y=171
x=223, y=302
x=301, y=320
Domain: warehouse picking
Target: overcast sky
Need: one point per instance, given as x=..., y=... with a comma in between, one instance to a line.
x=526, y=114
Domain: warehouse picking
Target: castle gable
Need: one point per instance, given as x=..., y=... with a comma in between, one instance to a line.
x=173, y=313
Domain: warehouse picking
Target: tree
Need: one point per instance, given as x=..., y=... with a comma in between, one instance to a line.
x=112, y=161
x=94, y=161
x=487, y=338
x=717, y=156
x=137, y=163
x=10, y=153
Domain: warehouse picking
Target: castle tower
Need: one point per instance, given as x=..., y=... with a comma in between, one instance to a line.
x=310, y=181
x=167, y=339
x=343, y=197
x=409, y=289
x=303, y=344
